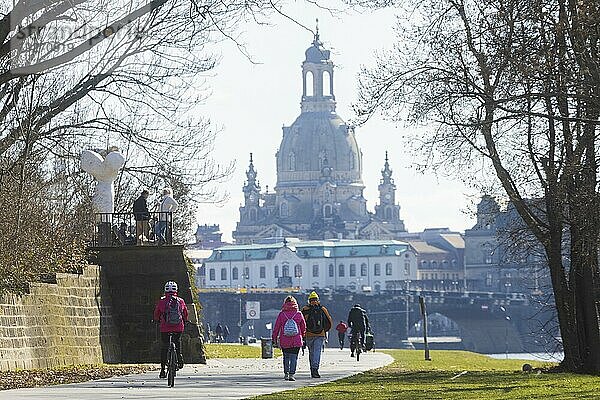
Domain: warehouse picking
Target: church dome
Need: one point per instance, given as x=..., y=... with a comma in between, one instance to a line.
x=316, y=53
x=319, y=145
x=316, y=139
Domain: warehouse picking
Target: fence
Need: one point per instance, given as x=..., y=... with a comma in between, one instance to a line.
x=128, y=229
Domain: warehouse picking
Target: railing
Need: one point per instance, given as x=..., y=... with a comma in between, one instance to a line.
x=129, y=229
x=250, y=290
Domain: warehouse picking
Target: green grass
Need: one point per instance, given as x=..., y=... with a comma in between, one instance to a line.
x=214, y=350
x=411, y=377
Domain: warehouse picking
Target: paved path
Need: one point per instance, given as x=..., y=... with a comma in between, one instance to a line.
x=219, y=379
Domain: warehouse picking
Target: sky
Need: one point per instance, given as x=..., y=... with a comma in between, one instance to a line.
x=252, y=100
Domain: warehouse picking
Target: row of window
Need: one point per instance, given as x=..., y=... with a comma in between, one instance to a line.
x=434, y=264
x=434, y=276
x=309, y=89
x=285, y=271
x=292, y=161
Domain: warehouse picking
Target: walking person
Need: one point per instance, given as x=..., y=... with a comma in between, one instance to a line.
x=142, y=217
x=225, y=333
x=341, y=328
x=208, y=333
x=287, y=334
x=219, y=333
x=318, y=323
x=164, y=227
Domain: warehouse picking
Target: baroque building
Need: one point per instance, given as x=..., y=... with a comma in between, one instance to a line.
x=319, y=190
x=500, y=253
x=340, y=265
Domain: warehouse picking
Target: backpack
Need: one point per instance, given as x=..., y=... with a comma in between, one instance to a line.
x=316, y=320
x=173, y=311
x=291, y=327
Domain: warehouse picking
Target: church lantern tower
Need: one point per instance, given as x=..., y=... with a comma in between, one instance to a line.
x=387, y=210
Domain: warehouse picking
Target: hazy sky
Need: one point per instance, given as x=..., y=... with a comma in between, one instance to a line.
x=251, y=102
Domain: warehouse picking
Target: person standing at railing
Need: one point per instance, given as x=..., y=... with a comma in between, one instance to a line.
x=168, y=205
x=142, y=216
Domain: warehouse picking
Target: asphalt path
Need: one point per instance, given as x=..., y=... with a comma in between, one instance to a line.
x=219, y=379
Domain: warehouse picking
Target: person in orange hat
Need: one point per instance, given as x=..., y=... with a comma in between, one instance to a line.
x=318, y=323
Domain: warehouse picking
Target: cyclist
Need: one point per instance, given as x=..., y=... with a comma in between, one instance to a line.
x=359, y=323
x=169, y=302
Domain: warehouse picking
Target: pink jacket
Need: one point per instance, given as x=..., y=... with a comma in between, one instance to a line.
x=289, y=310
x=159, y=314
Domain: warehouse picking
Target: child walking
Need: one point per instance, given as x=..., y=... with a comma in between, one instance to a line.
x=287, y=333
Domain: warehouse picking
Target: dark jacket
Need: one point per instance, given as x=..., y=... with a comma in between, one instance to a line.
x=140, y=209
x=358, y=320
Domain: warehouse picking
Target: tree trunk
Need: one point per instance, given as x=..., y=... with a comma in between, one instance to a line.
x=564, y=306
x=584, y=253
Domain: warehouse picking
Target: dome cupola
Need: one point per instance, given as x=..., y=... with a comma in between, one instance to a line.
x=318, y=140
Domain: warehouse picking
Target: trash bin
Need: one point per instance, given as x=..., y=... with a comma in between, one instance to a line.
x=266, y=345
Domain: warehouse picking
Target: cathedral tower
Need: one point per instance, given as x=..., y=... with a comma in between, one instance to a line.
x=319, y=189
x=387, y=210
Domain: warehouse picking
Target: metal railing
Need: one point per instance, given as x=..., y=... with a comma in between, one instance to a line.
x=129, y=229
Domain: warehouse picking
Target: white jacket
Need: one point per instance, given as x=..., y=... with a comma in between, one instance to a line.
x=168, y=204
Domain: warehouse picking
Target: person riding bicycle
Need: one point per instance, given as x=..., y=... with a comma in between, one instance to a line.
x=359, y=323
x=169, y=304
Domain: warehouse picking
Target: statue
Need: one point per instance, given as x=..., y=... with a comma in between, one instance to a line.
x=105, y=171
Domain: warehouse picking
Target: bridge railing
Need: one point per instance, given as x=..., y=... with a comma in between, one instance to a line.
x=129, y=229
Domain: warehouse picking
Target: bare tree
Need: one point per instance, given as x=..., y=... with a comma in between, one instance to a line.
x=513, y=87
x=78, y=74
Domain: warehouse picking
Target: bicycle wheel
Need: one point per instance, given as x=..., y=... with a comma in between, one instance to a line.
x=172, y=366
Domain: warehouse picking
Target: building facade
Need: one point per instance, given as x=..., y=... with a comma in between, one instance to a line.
x=208, y=237
x=440, y=259
x=340, y=265
x=319, y=190
x=501, y=255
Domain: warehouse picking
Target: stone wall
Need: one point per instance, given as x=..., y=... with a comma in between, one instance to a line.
x=136, y=276
x=62, y=323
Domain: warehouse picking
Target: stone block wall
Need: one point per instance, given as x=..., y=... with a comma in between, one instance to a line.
x=62, y=323
x=136, y=276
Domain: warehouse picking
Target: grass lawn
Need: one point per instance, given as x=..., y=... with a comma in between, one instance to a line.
x=411, y=377
x=214, y=350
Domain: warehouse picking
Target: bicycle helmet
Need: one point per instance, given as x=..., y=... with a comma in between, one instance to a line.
x=170, y=287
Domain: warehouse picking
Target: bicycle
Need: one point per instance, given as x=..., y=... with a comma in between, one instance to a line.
x=171, y=361
x=356, y=344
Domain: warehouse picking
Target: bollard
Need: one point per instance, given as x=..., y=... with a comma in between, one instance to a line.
x=266, y=345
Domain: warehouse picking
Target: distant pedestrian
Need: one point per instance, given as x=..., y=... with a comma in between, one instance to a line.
x=142, y=217
x=318, y=323
x=225, y=333
x=287, y=334
x=164, y=227
x=219, y=333
x=207, y=333
x=341, y=328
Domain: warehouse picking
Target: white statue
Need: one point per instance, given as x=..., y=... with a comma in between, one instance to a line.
x=105, y=171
